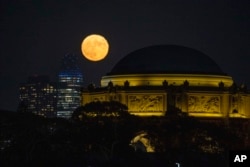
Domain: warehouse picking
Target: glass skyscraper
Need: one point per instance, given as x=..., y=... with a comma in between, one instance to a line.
x=70, y=80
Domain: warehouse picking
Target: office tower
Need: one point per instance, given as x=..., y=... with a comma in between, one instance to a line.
x=38, y=96
x=70, y=80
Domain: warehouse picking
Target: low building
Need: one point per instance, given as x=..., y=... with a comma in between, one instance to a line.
x=152, y=80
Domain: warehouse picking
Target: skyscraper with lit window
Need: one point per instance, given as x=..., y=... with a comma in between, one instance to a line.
x=39, y=96
x=70, y=81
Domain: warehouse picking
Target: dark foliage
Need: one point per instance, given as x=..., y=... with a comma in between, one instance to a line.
x=30, y=140
x=105, y=108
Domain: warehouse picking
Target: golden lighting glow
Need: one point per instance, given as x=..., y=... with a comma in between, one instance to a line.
x=142, y=138
x=206, y=102
x=95, y=47
x=174, y=79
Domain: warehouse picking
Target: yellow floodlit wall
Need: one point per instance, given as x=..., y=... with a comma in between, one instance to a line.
x=174, y=79
x=195, y=103
x=148, y=102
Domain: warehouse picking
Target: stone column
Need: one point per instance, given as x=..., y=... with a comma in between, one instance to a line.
x=225, y=104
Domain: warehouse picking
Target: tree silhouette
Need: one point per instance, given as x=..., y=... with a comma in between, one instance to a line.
x=105, y=108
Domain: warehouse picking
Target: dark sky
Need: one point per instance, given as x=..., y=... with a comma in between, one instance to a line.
x=36, y=34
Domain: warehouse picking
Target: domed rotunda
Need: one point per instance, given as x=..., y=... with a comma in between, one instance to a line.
x=152, y=65
x=154, y=79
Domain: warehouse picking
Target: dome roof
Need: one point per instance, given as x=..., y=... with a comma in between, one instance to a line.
x=168, y=59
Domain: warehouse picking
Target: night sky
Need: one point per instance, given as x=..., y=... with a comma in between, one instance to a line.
x=36, y=34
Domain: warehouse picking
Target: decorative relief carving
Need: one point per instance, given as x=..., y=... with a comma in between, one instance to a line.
x=210, y=104
x=145, y=103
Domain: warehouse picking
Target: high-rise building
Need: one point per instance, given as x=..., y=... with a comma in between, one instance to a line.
x=70, y=81
x=38, y=96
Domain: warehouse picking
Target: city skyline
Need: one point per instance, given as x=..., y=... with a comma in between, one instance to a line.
x=37, y=35
x=40, y=96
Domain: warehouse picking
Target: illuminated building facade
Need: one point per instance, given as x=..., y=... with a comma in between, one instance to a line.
x=70, y=81
x=152, y=80
x=38, y=96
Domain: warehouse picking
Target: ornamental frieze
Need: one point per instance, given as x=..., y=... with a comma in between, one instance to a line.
x=208, y=104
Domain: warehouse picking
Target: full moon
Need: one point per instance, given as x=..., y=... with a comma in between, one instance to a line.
x=95, y=47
